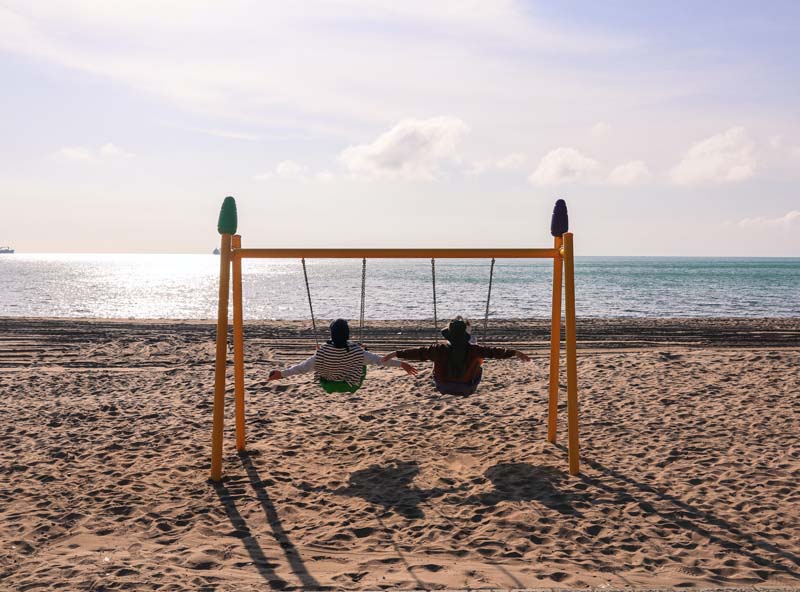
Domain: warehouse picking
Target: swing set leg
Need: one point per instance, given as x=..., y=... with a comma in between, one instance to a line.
x=555, y=345
x=221, y=360
x=564, y=266
x=238, y=347
x=572, y=351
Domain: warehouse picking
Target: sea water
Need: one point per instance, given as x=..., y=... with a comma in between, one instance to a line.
x=185, y=287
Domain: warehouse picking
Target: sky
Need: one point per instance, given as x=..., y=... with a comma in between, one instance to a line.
x=670, y=128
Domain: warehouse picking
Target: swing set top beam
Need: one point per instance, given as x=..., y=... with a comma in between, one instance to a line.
x=396, y=253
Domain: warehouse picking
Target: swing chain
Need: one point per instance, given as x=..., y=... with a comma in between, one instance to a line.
x=435, y=319
x=363, y=298
x=310, y=306
x=488, y=300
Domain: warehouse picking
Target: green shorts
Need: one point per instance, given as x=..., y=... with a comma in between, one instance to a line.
x=340, y=386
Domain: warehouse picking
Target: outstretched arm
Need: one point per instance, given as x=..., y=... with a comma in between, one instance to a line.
x=388, y=357
x=376, y=360
x=303, y=367
x=502, y=353
x=420, y=354
x=522, y=356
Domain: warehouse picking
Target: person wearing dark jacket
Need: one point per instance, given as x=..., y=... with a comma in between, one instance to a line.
x=457, y=365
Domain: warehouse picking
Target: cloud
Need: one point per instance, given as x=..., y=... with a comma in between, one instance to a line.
x=630, y=173
x=325, y=176
x=569, y=165
x=110, y=150
x=318, y=83
x=789, y=219
x=105, y=153
x=77, y=153
x=601, y=128
x=219, y=133
x=288, y=169
x=414, y=149
x=564, y=165
x=776, y=142
x=511, y=162
x=728, y=157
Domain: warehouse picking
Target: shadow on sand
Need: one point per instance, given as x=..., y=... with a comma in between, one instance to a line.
x=627, y=489
x=522, y=482
x=233, y=489
x=389, y=485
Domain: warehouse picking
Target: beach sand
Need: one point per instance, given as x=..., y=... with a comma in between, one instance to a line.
x=690, y=452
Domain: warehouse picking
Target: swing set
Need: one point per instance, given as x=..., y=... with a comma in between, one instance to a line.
x=232, y=254
x=340, y=386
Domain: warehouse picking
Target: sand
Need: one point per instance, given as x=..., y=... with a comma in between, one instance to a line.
x=690, y=451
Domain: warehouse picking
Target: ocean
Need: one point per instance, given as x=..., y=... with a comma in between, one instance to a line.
x=185, y=287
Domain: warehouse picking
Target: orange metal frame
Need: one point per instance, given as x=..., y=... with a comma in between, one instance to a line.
x=232, y=253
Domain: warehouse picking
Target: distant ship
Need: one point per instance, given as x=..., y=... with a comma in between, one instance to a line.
x=5, y=250
x=216, y=251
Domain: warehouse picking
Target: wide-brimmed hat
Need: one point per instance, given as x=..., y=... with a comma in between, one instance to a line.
x=456, y=331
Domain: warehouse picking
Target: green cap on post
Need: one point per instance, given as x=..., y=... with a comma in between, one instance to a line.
x=228, y=220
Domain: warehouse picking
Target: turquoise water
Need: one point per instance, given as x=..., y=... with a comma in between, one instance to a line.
x=185, y=287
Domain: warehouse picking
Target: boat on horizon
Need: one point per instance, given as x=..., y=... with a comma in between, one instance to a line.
x=6, y=250
x=216, y=251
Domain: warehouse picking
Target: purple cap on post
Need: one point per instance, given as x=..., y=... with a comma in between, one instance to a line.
x=559, y=223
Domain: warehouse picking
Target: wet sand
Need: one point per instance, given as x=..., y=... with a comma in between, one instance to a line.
x=690, y=451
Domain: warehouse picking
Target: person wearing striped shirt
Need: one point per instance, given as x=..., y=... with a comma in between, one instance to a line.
x=338, y=360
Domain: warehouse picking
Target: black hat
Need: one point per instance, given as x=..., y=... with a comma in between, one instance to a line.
x=456, y=331
x=340, y=332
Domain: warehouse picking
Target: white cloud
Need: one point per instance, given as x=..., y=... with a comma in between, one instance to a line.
x=511, y=162
x=113, y=151
x=630, y=173
x=776, y=142
x=105, y=153
x=304, y=68
x=414, y=148
x=325, y=176
x=78, y=153
x=789, y=219
x=564, y=165
x=287, y=169
x=728, y=157
x=569, y=165
x=220, y=133
x=601, y=128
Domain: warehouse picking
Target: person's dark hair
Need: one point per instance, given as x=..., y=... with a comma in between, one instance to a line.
x=457, y=335
x=340, y=333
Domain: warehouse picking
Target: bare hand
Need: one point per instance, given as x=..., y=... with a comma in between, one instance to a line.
x=275, y=375
x=388, y=357
x=409, y=368
x=523, y=357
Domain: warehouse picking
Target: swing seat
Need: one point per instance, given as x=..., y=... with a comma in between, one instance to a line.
x=461, y=389
x=340, y=386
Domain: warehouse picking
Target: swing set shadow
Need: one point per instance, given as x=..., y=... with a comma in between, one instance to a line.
x=231, y=490
x=692, y=518
x=232, y=253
